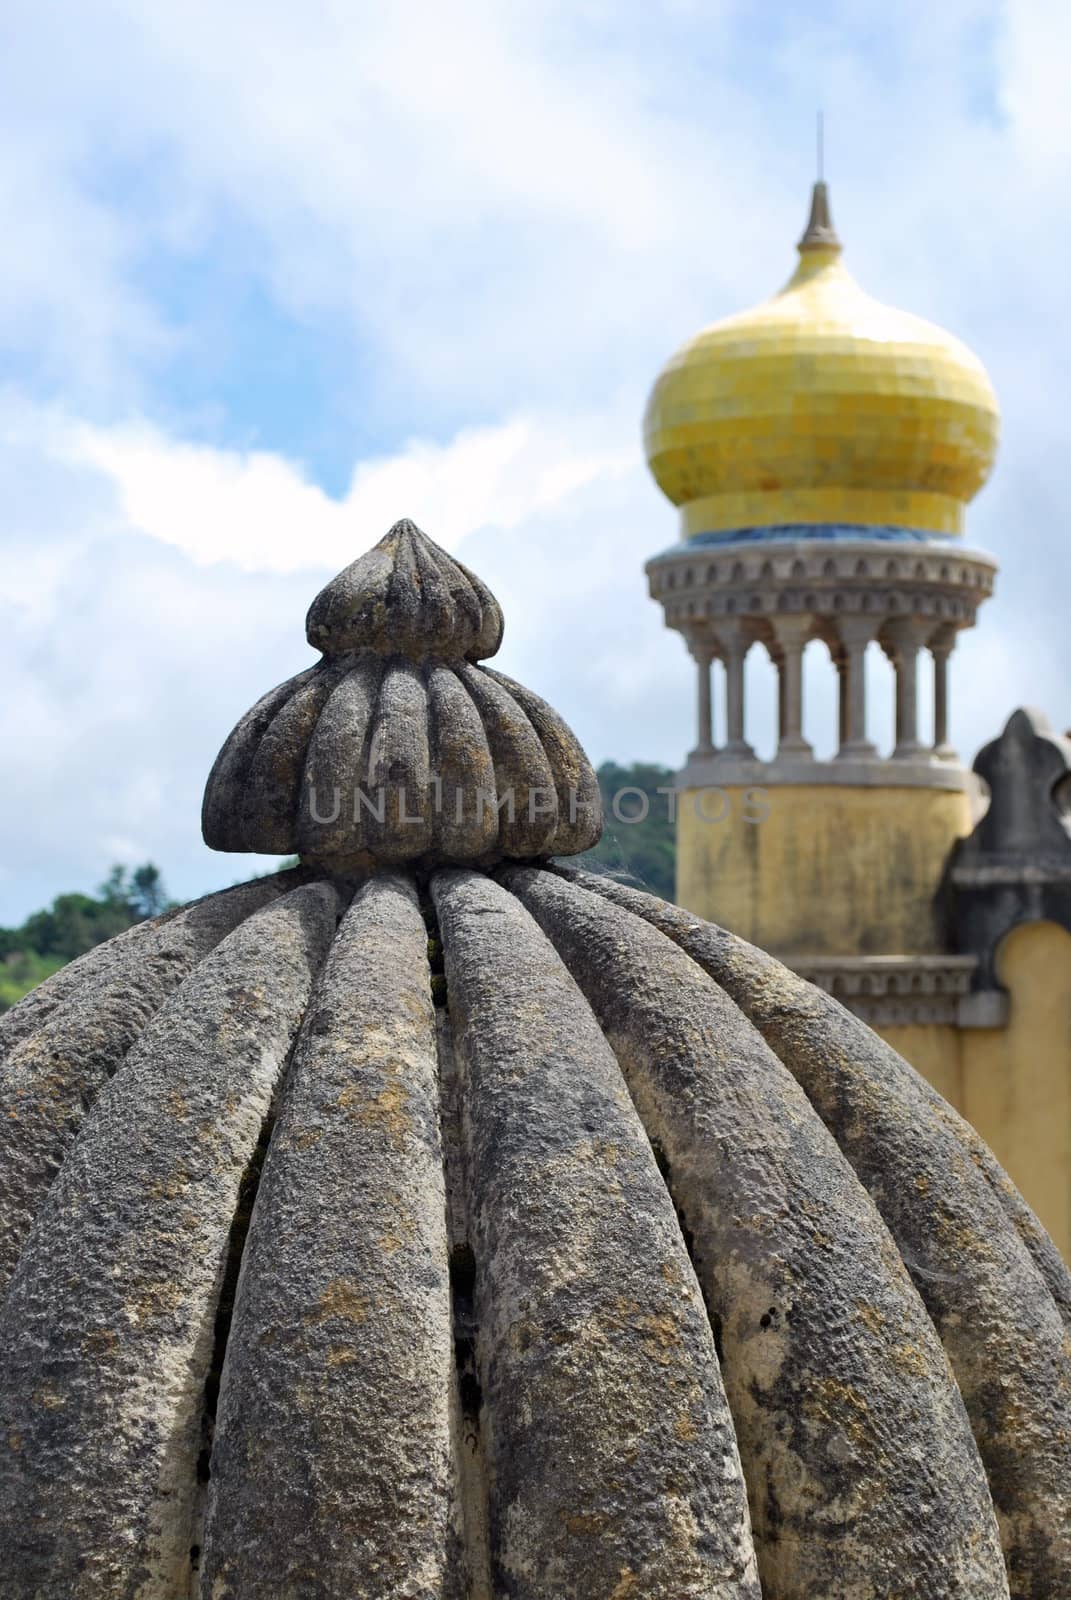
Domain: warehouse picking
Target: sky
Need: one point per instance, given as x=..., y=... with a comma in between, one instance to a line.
x=276, y=275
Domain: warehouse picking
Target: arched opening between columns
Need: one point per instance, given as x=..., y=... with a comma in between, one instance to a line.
x=761, y=692
x=821, y=696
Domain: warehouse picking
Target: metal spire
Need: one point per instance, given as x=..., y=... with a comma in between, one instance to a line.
x=820, y=233
x=821, y=149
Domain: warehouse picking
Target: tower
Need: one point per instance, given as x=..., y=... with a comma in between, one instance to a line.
x=822, y=449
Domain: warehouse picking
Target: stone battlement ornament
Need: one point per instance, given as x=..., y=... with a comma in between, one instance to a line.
x=397, y=746
x=436, y=1221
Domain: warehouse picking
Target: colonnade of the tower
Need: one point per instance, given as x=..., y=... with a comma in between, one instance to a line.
x=847, y=639
x=909, y=597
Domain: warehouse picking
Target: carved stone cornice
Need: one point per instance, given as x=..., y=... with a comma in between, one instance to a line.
x=722, y=769
x=887, y=991
x=937, y=583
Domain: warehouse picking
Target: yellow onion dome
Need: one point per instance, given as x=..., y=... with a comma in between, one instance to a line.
x=822, y=406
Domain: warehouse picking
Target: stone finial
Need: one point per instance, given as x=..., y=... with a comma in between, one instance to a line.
x=1016, y=865
x=406, y=597
x=1025, y=769
x=397, y=746
x=819, y=233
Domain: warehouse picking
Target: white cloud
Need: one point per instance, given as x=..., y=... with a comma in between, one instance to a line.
x=132, y=638
x=259, y=512
x=497, y=195
x=375, y=165
x=1037, y=40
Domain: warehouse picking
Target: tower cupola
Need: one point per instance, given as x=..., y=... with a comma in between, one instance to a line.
x=821, y=406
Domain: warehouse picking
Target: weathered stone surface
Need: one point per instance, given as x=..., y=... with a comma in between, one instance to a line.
x=400, y=772
x=80, y=974
x=579, y=822
x=34, y=1008
x=524, y=782
x=270, y=798
x=106, y=1334
x=337, y=765
x=863, y=1476
x=375, y=762
x=222, y=823
x=331, y=1473
x=925, y=1170
x=466, y=827
x=592, y=1444
x=396, y=747
x=613, y=1464
x=407, y=597
x=470, y=1549
x=1044, y=1254
x=50, y=1078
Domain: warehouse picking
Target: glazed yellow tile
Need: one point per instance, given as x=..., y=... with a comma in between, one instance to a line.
x=897, y=416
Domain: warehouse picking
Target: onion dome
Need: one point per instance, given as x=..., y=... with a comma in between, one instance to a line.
x=430, y=1232
x=821, y=406
x=397, y=746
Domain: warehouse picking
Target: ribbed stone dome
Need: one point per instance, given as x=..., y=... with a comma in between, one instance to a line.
x=396, y=746
x=440, y=1232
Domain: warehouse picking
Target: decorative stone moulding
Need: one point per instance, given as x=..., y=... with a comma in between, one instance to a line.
x=936, y=584
x=723, y=770
x=887, y=990
x=398, y=746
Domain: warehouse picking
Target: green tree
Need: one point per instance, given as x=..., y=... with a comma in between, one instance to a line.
x=643, y=851
x=21, y=971
x=73, y=924
x=147, y=894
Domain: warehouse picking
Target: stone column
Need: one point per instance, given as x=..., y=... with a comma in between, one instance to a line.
x=941, y=647
x=855, y=634
x=841, y=664
x=906, y=636
x=792, y=633
x=736, y=643
x=703, y=656
x=778, y=660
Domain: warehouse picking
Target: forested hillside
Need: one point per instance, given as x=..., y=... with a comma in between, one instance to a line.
x=74, y=923
x=643, y=852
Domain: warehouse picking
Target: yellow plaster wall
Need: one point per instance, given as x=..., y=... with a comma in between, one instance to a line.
x=828, y=870
x=1017, y=1080
x=851, y=871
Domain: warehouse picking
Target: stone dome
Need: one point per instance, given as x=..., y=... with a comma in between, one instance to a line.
x=821, y=406
x=338, y=762
x=439, y=1232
